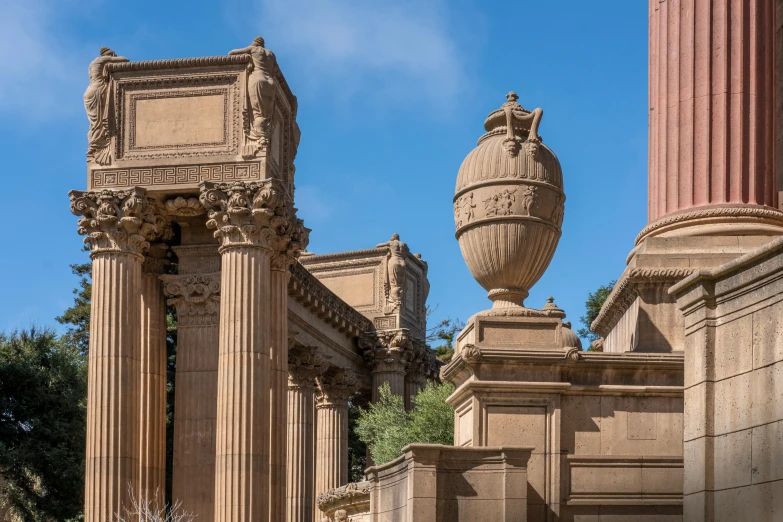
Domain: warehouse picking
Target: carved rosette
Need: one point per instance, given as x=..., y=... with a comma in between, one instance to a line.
x=387, y=350
x=119, y=221
x=336, y=388
x=304, y=367
x=197, y=298
x=509, y=205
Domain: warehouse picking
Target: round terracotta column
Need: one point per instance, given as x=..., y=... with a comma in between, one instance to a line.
x=712, y=126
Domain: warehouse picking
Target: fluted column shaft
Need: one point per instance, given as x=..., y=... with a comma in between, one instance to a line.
x=278, y=390
x=712, y=105
x=152, y=470
x=197, y=301
x=119, y=225
x=300, y=481
x=393, y=373
x=332, y=446
x=242, y=453
x=331, y=462
x=112, y=469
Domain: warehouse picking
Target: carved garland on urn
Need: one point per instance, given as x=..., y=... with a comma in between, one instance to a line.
x=119, y=221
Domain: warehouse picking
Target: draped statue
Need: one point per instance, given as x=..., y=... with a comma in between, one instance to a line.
x=97, y=99
x=396, y=280
x=261, y=92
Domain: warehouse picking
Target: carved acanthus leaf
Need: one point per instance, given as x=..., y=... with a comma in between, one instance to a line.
x=336, y=387
x=196, y=297
x=184, y=207
x=119, y=221
x=350, y=492
x=245, y=214
x=304, y=366
x=471, y=353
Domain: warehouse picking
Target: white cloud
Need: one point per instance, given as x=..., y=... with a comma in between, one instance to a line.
x=400, y=49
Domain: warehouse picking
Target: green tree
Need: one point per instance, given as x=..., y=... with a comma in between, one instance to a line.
x=595, y=300
x=387, y=428
x=357, y=449
x=43, y=390
x=445, y=333
x=78, y=315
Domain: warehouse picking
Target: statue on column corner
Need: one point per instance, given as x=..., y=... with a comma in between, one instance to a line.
x=261, y=92
x=396, y=280
x=97, y=99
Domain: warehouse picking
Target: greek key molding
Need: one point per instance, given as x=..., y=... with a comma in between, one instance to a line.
x=175, y=175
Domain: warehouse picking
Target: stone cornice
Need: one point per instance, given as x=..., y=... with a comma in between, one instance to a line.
x=119, y=221
x=625, y=292
x=351, y=254
x=202, y=61
x=196, y=298
x=311, y=293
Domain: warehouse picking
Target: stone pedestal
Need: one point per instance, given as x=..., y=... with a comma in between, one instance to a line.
x=733, y=432
x=152, y=419
x=196, y=297
x=119, y=225
x=303, y=368
x=331, y=461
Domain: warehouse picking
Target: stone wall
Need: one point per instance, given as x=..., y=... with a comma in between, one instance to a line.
x=434, y=483
x=733, y=431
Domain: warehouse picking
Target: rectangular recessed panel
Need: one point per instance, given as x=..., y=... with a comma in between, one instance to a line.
x=180, y=120
x=354, y=289
x=518, y=333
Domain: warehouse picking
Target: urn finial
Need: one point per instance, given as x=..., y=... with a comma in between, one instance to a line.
x=508, y=206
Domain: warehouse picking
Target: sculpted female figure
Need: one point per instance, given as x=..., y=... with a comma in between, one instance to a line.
x=395, y=269
x=96, y=103
x=261, y=88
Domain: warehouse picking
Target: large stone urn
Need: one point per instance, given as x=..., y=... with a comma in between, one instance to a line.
x=508, y=205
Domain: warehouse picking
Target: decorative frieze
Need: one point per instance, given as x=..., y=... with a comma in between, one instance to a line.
x=123, y=221
x=196, y=297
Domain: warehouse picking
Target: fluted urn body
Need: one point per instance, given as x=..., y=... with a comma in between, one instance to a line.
x=508, y=205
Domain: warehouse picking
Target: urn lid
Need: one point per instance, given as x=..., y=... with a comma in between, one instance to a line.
x=510, y=148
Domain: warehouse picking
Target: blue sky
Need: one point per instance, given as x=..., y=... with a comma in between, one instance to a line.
x=392, y=97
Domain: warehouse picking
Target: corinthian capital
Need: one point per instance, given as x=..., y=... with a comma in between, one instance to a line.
x=119, y=221
x=336, y=388
x=196, y=297
x=304, y=366
x=388, y=350
x=290, y=238
x=246, y=214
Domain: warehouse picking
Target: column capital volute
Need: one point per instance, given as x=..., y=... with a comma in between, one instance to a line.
x=255, y=214
x=120, y=221
x=196, y=298
x=336, y=387
x=304, y=366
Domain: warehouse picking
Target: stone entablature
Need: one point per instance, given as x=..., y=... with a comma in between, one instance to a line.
x=171, y=124
x=387, y=284
x=306, y=289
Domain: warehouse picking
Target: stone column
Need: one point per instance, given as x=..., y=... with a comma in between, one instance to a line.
x=331, y=462
x=119, y=226
x=387, y=352
x=712, y=118
x=197, y=300
x=152, y=419
x=248, y=219
x=289, y=239
x=303, y=368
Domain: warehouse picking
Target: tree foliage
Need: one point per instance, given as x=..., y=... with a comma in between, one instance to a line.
x=43, y=390
x=595, y=300
x=357, y=449
x=387, y=428
x=445, y=333
x=77, y=317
